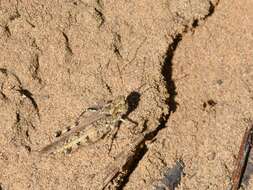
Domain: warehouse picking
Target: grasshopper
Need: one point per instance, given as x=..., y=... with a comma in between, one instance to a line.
x=93, y=124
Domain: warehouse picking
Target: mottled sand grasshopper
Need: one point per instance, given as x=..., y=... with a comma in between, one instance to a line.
x=93, y=124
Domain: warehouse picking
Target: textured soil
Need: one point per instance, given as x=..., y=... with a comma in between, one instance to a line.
x=184, y=66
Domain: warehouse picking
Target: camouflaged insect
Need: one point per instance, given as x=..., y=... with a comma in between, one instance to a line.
x=93, y=124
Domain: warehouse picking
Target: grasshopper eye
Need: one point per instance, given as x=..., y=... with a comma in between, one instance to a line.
x=58, y=133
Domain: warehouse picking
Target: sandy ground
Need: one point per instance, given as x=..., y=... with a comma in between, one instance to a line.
x=184, y=67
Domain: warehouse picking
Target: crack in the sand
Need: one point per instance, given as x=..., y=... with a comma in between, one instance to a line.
x=167, y=72
x=171, y=88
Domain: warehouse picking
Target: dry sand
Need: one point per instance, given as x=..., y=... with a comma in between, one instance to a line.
x=186, y=68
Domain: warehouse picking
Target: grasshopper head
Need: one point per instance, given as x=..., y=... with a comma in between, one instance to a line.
x=119, y=107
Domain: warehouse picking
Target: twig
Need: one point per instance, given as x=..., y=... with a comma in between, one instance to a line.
x=242, y=158
x=123, y=159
